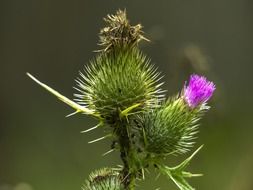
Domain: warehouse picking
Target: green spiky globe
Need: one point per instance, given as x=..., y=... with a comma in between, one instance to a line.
x=117, y=80
x=104, y=179
x=171, y=128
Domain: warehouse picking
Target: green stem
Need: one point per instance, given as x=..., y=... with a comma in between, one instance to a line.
x=126, y=155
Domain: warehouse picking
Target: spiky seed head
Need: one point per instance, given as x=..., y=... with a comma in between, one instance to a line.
x=104, y=179
x=171, y=128
x=119, y=32
x=114, y=83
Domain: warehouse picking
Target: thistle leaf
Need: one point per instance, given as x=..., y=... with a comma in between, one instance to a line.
x=177, y=173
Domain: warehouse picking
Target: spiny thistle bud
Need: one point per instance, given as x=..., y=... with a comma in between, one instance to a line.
x=119, y=32
x=119, y=79
x=198, y=91
x=104, y=179
x=171, y=128
x=114, y=83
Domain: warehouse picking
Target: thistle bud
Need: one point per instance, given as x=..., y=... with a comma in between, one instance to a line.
x=171, y=128
x=119, y=79
x=104, y=179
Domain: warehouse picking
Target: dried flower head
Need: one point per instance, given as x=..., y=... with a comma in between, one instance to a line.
x=119, y=32
x=198, y=91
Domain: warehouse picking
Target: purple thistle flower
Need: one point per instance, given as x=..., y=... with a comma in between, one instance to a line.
x=198, y=91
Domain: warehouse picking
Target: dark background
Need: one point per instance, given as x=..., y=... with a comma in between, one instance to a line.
x=40, y=149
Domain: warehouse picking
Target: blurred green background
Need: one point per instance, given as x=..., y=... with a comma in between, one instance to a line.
x=40, y=149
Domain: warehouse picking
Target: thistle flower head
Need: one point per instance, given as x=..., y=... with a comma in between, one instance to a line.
x=198, y=91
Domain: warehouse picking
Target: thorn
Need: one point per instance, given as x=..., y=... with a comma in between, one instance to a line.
x=126, y=111
x=92, y=128
x=125, y=177
x=185, y=163
x=71, y=114
x=108, y=152
x=64, y=99
x=99, y=139
x=157, y=176
x=197, y=175
x=147, y=170
x=143, y=173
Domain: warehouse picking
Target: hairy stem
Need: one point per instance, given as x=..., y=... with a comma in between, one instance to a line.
x=126, y=154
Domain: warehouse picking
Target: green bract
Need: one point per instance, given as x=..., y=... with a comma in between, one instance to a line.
x=117, y=80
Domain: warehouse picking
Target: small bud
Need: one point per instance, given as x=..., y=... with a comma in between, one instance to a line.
x=104, y=179
x=198, y=91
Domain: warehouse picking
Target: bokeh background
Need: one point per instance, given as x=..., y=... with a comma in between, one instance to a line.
x=40, y=149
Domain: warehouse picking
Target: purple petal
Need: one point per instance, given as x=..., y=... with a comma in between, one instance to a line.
x=198, y=91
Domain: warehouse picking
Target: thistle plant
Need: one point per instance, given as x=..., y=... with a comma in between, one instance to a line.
x=121, y=88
